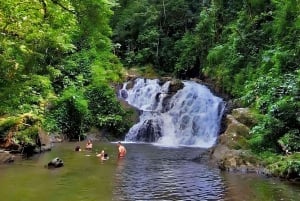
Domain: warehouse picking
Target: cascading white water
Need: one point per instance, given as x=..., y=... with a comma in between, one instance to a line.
x=190, y=117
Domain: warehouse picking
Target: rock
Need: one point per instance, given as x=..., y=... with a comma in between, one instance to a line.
x=231, y=151
x=244, y=116
x=235, y=135
x=6, y=157
x=55, y=138
x=234, y=160
x=175, y=85
x=130, y=84
x=150, y=131
x=55, y=163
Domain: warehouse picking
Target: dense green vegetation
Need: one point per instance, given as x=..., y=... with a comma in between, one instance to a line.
x=57, y=68
x=60, y=58
x=250, y=49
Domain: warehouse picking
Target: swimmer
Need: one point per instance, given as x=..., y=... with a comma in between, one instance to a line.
x=121, y=150
x=103, y=156
x=89, y=145
x=77, y=148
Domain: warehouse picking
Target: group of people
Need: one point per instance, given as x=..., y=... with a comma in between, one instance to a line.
x=102, y=155
x=88, y=146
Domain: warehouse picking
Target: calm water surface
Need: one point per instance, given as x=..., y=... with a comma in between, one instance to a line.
x=147, y=173
x=83, y=178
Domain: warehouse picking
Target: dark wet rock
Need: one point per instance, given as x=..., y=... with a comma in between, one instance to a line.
x=149, y=132
x=55, y=163
x=130, y=84
x=124, y=94
x=175, y=85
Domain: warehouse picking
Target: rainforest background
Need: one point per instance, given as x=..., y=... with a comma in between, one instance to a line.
x=60, y=61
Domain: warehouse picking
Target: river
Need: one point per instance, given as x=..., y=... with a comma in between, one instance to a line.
x=149, y=172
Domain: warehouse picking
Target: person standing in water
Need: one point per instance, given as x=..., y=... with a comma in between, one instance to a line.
x=89, y=145
x=121, y=150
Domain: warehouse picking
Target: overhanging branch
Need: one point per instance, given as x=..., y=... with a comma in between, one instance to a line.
x=63, y=7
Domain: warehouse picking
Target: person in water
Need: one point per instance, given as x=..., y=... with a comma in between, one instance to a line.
x=77, y=148
x=103, y=156
x=89, y=145
x=121, y=150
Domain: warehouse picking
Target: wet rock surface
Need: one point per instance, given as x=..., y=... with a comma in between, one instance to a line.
x=231, y=152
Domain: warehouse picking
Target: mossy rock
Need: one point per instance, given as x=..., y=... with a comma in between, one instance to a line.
x=245, y=116
x=235, y=160
x=236, y=134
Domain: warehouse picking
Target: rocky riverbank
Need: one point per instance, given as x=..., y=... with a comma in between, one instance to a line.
x=232, y=152
x=12, y=150
x=6, y=157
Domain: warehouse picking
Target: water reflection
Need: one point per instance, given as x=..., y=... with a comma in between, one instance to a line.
x=159, y=173
x=83, y=177
x=241, y=187
x=147, y=173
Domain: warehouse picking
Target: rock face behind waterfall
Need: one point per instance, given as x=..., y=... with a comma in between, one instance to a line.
x=149, y=132
x=173, y=112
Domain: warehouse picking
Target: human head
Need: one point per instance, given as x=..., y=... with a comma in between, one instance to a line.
x=119, y=143
x=77, y=148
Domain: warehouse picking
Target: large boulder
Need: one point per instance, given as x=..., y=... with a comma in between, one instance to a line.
x=234, y=160
x=244, y=116
x=44, y=141
x=150, y=131
x=235, y=134
x=231, y=151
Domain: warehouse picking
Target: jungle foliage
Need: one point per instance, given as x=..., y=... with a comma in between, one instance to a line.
x=58, y=63
x=249, y=48
x=56, y=60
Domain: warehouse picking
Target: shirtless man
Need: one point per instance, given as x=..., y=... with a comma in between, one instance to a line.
x=121, y=150
x=89, y=145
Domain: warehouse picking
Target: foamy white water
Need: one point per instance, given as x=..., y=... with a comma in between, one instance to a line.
x=191, y=117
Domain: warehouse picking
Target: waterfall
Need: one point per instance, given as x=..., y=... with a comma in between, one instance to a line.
x=191, y=116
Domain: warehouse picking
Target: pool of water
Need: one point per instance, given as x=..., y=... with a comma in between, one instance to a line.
x=161, y=173
x=148, y=172
x=83, y=177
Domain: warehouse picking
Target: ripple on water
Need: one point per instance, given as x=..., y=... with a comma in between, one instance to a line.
x=154, y=173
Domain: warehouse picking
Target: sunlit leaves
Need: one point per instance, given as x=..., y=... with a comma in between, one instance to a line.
x=32, y=35
x=50, y=52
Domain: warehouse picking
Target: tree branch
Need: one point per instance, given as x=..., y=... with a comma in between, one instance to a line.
x=44, y=8
x=63, y=7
